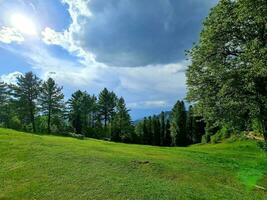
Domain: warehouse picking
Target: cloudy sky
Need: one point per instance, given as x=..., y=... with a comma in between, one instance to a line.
x=133, y=47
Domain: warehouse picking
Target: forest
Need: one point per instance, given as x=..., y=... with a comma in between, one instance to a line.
x=39, y=106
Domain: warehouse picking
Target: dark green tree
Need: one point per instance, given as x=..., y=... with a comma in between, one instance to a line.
x=76, y=111
x=178, y=124
x=26, y=93
x=4, y=104
x=168, y=137
x=146, y=136
x=106, y=105
x=122, y=129
x=155, y=130
x=162, y=128
x=51, y=101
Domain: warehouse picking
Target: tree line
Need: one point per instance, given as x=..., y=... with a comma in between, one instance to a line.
x=35, y=105
x=38, y=106
x=181, y=128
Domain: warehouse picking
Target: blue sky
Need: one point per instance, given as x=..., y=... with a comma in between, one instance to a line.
x=133, y=47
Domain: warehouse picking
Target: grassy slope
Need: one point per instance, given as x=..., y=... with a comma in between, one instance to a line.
x=50, y=167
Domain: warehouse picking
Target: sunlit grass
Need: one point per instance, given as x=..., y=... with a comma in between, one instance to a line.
x=50, y=167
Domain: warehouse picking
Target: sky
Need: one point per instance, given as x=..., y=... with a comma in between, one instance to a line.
x=135, y=48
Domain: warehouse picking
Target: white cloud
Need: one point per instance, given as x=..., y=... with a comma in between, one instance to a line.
x=149, y=104
x=11, y=77
x=9, y=35
x=79, y=12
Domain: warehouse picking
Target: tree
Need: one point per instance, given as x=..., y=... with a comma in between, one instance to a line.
x=146, y=133
x=26, y=93
x=155, y=131
x=51, y=100
x=228, y=75
x=106, y=105
x=167, y=137
x=122, y=129
x=195, y=126
x=75, y=111
x=178, y=123
x=162, y=128
x=3, y=104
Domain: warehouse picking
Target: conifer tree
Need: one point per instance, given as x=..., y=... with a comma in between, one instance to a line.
x=26, y=93
x=162, y=128
x=167, y=137
x=4, y=104
x=122, y=129
x=146, y=137
x=51, y=101
x=106, y=105
x=75, y=111
x=178, y=123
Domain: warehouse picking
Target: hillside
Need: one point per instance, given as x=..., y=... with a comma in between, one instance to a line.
x=50, y=167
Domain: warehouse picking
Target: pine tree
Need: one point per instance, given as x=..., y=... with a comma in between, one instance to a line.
x=167, y=137
x=146, y=137
x=178, y=123
x=4, y=117
x=51, y=101
x=106, y=105
x=26, y=93
x=122, y=129
x=162, y=128
x=150, y=130
x=75, y=111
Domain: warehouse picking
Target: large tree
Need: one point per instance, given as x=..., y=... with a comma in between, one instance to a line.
x=26, y=94
x=178, y=124
x=106, y=105
x=4, y=117
x=51, y=100
x=122, y=129
x=228, y=75
x=76, y=111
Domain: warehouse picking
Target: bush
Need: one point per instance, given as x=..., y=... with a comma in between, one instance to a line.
x=205, y=138
x=221, y=135
x=262, y=145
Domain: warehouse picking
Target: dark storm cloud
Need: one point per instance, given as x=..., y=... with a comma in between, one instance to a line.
x=141, y=32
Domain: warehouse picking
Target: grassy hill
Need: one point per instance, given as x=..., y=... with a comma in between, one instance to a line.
x=50, y=167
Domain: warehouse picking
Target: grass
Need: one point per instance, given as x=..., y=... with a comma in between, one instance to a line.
x=51, y=167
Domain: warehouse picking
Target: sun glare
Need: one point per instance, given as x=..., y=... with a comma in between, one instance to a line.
x=23, y=24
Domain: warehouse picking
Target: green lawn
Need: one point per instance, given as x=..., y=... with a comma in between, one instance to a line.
x=50, y=167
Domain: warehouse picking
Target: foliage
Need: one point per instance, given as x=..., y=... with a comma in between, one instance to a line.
x=228, y=78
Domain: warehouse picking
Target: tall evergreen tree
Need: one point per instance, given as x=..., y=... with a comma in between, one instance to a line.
x=155, y=131
x=26, y=93
x=167, y=137
x=122, y=129
x=178, y=123
x=106, y=105
x=75, y=111
x=146, y=137
x=51, y=101
x=4, y=104
x=162, y=128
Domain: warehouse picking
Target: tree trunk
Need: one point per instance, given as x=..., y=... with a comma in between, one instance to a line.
x=33, y=121
x=49, y=122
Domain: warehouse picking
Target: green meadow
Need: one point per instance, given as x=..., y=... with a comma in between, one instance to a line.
x=52, y=167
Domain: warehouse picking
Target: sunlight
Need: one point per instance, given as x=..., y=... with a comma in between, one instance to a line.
x=23, y=24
